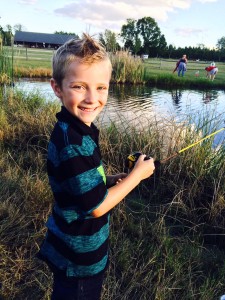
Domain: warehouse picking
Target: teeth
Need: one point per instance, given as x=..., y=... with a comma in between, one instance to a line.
x=87, y=109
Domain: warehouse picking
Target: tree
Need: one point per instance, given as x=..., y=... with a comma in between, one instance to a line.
x=162, y=45
x=221, y=48
x=109, y=40
x=150, y=33
x=170, y=50
x=130, y=35
x=7, y=35
x=18, y=27
x=221, y=43
x=67, y=33
x=143, y=36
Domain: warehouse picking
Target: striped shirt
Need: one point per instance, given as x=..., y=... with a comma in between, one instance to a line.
x=76, y=244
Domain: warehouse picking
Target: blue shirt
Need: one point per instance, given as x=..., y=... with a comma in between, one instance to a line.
x=76, y=244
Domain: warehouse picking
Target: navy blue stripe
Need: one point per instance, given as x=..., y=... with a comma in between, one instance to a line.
x=84, y=259
x=80, y=243
x=80, y=227
x=85, y=202
x=60, y=264
x=77, y=165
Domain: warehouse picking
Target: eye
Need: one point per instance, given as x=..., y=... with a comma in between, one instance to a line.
x=78, y=87
x=101, y=88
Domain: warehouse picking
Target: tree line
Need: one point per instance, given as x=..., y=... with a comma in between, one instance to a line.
x=142, y=36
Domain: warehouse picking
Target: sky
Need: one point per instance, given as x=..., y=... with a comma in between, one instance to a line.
x=183, y=22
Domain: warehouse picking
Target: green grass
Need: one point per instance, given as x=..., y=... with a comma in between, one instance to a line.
x=165, y=237
x=32, y=62
x=161, y=70
x=6, y=66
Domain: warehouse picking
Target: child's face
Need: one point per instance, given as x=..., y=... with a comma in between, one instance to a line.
x=84, y=89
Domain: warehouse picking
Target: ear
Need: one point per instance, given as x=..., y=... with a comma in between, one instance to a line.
x=56, y=88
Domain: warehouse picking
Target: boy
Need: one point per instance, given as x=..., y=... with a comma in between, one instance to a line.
x=76, y=244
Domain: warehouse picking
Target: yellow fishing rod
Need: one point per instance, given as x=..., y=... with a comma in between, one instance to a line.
x=192, y=145
x=132, y=158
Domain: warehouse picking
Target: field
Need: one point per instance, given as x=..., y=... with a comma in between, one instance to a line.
x=157, y=69
x=195, y=69
x=31, y=57
x=167, y=237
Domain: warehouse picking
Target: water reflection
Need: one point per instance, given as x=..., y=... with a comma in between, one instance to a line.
x=209, y=96
x=177, y=97
x=135, y=102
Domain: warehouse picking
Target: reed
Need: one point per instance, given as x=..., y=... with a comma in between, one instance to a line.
x=38, y=72
x=164, y=236
x=6, y=67
x=127, y=69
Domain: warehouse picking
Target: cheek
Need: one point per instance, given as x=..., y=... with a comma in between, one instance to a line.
x=104, y=100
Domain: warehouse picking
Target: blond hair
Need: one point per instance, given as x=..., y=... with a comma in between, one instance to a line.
x=86, y=50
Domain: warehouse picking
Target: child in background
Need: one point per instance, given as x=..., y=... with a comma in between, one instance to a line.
x=211, y=71
x=76, y=243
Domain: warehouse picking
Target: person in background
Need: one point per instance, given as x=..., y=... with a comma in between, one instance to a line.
x=76, y=244
x=182, y=66
x=211, y=71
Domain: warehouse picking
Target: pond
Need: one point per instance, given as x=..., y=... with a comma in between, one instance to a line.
x=133, y=103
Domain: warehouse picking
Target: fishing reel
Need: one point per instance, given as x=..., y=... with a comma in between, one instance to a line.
x=132, y=159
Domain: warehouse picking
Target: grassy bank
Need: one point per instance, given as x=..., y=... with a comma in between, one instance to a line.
x=36, y=63
x=167, y=237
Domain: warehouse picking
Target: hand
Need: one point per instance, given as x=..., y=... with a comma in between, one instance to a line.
x=115, y=179
x=120, y=177
x=144, y=168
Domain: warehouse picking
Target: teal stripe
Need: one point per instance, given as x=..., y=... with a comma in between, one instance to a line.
x=85, y=149
x=80, y=244
x=66, y=265
x=74, y=213
x=83, y=182
x=69, y=214
x=87, y=270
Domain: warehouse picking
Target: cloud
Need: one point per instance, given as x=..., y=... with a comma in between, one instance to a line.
x=29, y=2
x=207, y=1
x=188, y=32
x=108, y=14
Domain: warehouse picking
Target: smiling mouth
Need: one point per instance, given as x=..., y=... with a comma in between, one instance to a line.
x=88, y=109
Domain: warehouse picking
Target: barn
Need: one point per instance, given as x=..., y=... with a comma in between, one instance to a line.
x=40, y=40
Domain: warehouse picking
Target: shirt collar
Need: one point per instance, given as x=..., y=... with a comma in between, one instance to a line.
x=65, y=116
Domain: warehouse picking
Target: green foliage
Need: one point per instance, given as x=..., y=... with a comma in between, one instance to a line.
x=67, y=33
x=108, y=39
x=6, y=68
x=127, y=69
x=143, y=36
x=161, y=235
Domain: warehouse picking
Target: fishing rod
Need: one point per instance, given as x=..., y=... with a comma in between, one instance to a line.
x=132, y=158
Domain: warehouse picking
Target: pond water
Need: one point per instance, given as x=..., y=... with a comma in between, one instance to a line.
x=136, y=103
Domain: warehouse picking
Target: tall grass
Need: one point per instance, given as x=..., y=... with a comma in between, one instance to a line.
x=165, y=241
x=127, y=69
x=38, y=72
x=6, y=67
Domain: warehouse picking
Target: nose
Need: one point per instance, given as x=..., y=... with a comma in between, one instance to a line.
x=91, y=96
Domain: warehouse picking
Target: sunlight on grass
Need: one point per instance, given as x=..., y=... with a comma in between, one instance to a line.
x=167, y=237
